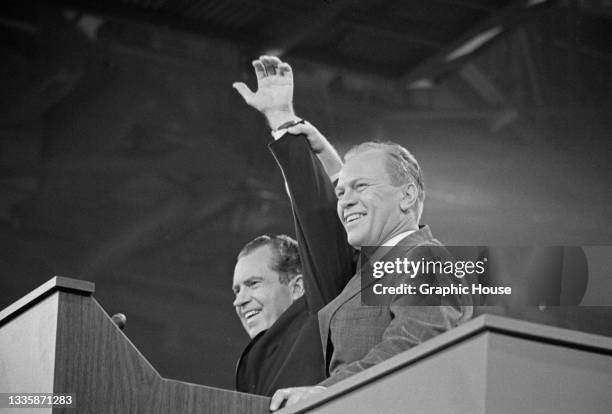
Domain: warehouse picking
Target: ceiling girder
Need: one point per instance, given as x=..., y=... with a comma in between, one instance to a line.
x=512, y=15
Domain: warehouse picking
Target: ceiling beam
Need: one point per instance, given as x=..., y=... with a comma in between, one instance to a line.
x=488, y=113
x=531, y=67
x=382, y=31
x=510, y=16
x=149, y=18
x=489, y=93
x=483, y=86
x=301, y=27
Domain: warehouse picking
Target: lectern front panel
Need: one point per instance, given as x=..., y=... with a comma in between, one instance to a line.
x=27, y=351
x=527, y=376
x=450, y=381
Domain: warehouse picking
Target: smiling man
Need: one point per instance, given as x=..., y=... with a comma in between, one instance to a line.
x=267, y=280
x=279, y=288
x=380, y=200
x=269, y=300
x=278, y=292
x=380, y=195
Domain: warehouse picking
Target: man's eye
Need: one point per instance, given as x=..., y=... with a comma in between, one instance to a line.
x=360, y=186
x=339, y=194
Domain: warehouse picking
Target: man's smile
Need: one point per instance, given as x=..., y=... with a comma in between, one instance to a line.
x=352, y=217
x=248, y=315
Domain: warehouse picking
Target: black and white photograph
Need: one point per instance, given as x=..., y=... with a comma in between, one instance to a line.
x=325, y=206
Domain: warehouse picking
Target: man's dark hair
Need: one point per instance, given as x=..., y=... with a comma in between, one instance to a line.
x=287, y=258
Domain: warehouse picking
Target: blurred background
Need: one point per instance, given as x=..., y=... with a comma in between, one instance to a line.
x=127, y=159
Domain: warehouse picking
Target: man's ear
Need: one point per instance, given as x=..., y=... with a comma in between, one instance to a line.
x=297, y=287
x=409, y=197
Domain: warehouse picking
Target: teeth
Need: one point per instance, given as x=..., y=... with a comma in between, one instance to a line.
x=251, y=313
x=353, y=217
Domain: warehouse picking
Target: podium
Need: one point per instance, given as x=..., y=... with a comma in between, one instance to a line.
x=58, y=339
x=491, y=364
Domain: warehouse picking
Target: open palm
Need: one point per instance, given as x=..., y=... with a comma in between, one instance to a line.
x=274, y=86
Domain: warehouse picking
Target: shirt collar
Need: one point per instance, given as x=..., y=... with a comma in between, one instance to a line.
x=393, y=241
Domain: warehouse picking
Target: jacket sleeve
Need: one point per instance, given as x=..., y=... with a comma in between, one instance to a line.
x=410, y=326
x=327, y=258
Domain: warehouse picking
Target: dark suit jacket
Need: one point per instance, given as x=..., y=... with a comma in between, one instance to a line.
x=356, y=337
x=289, y=353
x=286, y=355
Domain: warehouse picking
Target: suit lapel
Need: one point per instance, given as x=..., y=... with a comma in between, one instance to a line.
x=354, y=287
x=419, y=237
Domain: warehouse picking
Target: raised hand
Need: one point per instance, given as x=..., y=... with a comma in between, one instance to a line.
x=274, y=95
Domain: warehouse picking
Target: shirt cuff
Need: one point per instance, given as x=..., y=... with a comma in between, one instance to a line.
x=282, y=130
x=278, y=134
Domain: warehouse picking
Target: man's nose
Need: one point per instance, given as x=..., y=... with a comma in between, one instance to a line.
x=241, y=298
x=347, y=199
